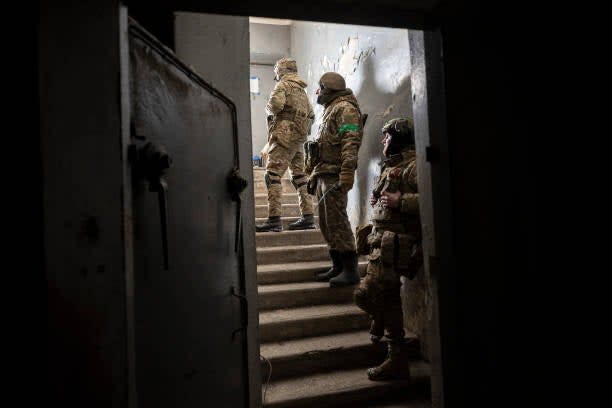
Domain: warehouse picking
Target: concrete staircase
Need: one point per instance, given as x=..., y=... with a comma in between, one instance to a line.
x=314, y=340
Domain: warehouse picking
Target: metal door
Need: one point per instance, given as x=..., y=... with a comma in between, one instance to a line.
x=190, y=350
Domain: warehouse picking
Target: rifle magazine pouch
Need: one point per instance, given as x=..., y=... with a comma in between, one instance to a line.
x=387, y=247
x=361, y=238
x=403, y=262
x=331, y=152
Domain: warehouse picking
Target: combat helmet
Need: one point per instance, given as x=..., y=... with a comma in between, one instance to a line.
x=284, y=65
x=401, y=131
x=397, y=126
x=332, y=81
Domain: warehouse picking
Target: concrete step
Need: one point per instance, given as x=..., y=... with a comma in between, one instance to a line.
x=285, y=324
x=343, y=388
x=287, y=220
x=288, y=198
x=326, y=353
x=292, y=253
x=301, y=294
x=287, y=237
x=295, y=272
x=287, y=210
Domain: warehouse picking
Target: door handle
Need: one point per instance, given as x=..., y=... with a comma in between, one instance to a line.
x=152, y=161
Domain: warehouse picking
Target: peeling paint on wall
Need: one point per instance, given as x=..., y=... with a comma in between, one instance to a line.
x=326, y=64
x=388, y=111
x=375, y=63
x=351, y=56
x=346, y=59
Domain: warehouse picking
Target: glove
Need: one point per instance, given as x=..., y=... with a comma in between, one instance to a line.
x=346, y=181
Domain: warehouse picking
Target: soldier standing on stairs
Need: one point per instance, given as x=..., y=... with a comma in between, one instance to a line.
x=290, y=117
x=393, y=245
x=331, y=162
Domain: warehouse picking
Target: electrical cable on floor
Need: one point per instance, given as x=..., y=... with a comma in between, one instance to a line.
x=268, y=380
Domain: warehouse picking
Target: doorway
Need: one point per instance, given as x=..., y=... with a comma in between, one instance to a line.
x=80, y=143
x=301, y=324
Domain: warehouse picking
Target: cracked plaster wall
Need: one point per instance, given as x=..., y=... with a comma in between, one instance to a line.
x=375, y=63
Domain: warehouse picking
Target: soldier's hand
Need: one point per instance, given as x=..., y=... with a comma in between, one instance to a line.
x=373, y=200
x=391, y=200
x=346, y=181
x=264, y=151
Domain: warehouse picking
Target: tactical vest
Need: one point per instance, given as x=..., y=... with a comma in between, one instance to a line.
x=391, y=180
x=330, y=142
x=296, y=108
x=393, y=239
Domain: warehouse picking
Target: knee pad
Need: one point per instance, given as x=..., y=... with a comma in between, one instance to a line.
x=271, y=178
x=298, y=181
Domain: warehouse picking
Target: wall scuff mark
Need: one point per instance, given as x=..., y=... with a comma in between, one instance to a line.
x=351, y=56
x=388, y=111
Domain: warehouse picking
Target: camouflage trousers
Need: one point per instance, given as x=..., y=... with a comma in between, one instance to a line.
x=333, y=219
x=279, y=159
x=378, y=294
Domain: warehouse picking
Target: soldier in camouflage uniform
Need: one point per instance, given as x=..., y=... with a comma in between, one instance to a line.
x=332, y=176
x=392, y=243
x=290, y=116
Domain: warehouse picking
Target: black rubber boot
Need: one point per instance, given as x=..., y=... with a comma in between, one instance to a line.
x=272, y=224
x=305, y=222
x=334, y=270
x=349, y=275
x=395, y=366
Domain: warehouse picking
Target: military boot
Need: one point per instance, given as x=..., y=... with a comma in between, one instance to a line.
x=349, y=275
x=334, y=270
x=306, y=221
x=394, y=367
x=272, y=224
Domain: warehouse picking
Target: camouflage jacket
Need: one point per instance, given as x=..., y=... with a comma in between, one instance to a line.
x=399, y=172
x=288, y=102
x=339, y=136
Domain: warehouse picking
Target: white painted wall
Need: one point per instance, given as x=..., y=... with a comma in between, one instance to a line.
x=269, y=42
x=259, y=127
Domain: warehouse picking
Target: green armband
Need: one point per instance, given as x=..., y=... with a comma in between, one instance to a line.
x=348, y=127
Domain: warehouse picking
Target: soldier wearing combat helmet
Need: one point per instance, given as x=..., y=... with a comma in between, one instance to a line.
x=393, y=245
x=332, y=174
x=290, y=117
